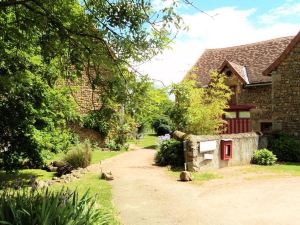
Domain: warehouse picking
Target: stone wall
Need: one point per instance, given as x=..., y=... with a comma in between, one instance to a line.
x=286, y=94
x=261, y=97
x=90, y=134
x=243, y=146
x=85, y=97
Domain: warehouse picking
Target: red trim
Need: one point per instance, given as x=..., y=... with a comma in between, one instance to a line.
x=226, y=149
x=240, y=107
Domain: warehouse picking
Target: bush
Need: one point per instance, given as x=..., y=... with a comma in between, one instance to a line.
x=33, y=119
x=79, y=156
x=98, y=120
x=170, y=153
x=264, y=157
x=161, y=126
x=286, y=148
x=113, y=145
x=45, y=207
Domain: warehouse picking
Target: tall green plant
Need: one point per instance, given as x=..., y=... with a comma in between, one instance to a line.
x=29, y=207
x=199, y=110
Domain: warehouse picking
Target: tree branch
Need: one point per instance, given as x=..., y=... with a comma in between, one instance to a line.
x=4, y=4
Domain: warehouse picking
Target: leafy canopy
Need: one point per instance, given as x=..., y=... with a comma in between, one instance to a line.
x=43, y=42
x=199, y=110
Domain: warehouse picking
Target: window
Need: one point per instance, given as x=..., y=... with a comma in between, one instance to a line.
x=230, y=115
x=244, y=114
x=266, y=127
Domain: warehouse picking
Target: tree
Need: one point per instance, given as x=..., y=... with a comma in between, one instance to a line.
x=44, y=41
x=199, y=110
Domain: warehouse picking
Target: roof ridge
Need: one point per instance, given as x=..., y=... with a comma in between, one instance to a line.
x=252, y=44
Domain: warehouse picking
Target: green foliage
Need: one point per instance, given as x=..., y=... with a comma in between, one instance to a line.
x=99, y=120
x=199, y=110
x=45, y=207
x=33, y=120
x=161, y=125
x=264, y=157
x=170, y=153
x=113, y=145
x=44, y=43
x=285, y=147
x=79, y=156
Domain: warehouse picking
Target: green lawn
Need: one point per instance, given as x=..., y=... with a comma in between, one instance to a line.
x=100, y=189
x=148, y=141
x=99, y=155
x=25, y=175
x=286, y=168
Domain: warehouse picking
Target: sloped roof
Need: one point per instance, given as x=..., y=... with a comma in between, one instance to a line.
x=256, y=57
x=241, y=71
x=283, y=55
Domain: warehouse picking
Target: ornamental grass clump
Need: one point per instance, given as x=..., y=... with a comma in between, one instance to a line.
x=80, y=156
x=28, y=207
x=264, y=157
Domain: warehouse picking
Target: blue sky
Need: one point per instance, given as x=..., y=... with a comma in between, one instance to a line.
x=235, y=22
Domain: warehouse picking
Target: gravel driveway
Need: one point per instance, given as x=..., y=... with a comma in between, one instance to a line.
x=144, y=194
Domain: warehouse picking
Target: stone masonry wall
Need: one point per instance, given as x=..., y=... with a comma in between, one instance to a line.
x=243, y=146
x=286, y=94
x=261, y=97
x=86, y=99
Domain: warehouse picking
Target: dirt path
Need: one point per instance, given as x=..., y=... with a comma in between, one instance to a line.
x=145, y=195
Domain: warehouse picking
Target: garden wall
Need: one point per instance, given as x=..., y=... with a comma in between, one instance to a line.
x=204, y=152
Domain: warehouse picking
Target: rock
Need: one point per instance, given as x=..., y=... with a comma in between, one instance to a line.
x=185, y=176
x=58, y=164
x=41, y=184
x=54, y=178
x=51, y=168
x=106, y=176
x=64, y=170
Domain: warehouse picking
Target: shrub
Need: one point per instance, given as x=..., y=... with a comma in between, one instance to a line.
x=170, y=153
x=98, y=120
x=113, y=145
x=264, y=157
x=286, y=148
x=33, y=119
x=79, y=156
x=45, y=207
x=161, y=126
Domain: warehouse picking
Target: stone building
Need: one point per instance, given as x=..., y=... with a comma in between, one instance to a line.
x=285, y=74
x=250, y=107
x=85, y=97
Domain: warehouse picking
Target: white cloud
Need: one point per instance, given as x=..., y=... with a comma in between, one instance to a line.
x=229, y=27
x=288, y=9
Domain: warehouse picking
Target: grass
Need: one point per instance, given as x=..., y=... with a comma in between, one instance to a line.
x=99, y=155
x=149, y=141
x=285, y=168
x=198, y=177
x=26, y=174
x=99, y=189
x=23, y=176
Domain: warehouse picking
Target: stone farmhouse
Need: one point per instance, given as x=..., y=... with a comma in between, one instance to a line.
x=250, y=108
x=285, y=74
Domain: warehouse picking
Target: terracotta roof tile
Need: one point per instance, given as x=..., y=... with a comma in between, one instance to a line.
x=240, y=70
x=256, y=57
